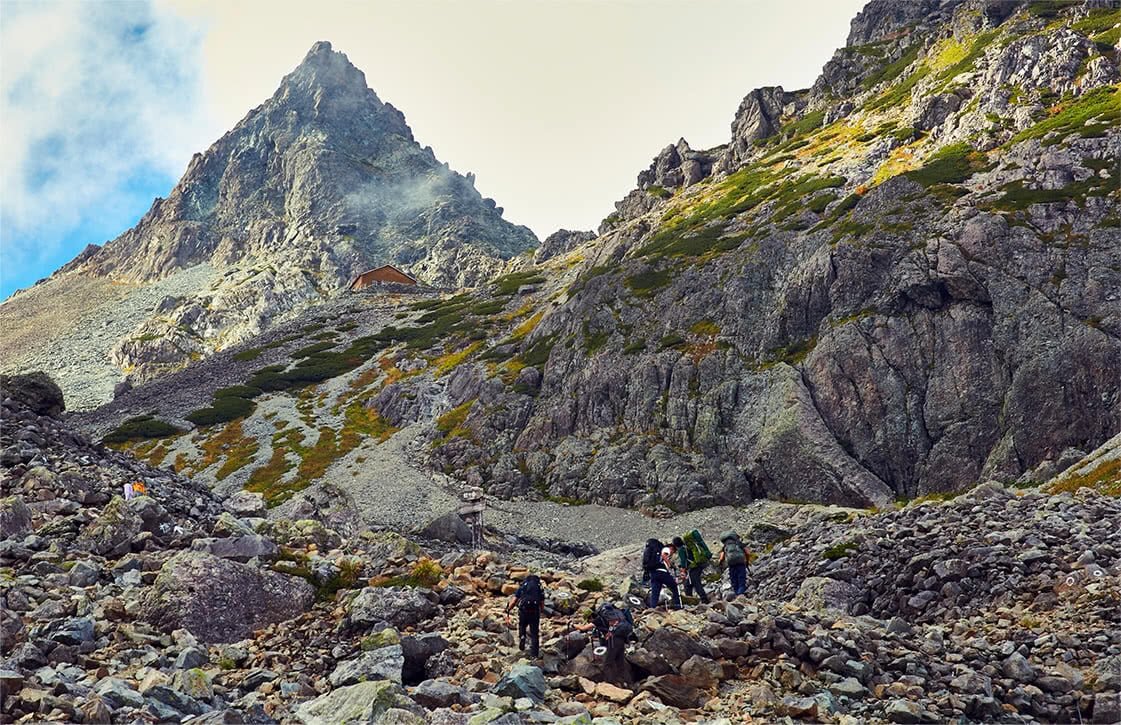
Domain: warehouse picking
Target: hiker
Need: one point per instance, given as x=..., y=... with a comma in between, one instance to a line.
x=614, y=626
x=734, y=557
x=530, y=600
x=693, y=556
x=657, y=564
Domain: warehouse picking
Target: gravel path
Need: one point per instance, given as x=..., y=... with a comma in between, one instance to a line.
x=386, y=489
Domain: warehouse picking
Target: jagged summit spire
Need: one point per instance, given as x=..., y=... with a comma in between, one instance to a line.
x=328, y=69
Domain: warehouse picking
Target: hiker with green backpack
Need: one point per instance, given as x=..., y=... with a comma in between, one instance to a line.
x=693, y=555
x=734, y=557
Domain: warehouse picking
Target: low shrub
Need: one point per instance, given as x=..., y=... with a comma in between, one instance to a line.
x=222, y=410
x=141, y=427
x=510, y=284
x=645, y=284
x=952, y=164
x=246, y=355
x=238, y=391
x=424, y=573
x=452, y=423
x=839, y=551
x=672, y=340
x=312, y=349
x=1089, y=115
x=537, y=354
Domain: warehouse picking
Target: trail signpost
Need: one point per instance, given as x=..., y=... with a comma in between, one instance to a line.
x=471, y=511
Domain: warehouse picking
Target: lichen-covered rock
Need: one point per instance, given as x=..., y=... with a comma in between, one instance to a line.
x=364, y=703
x=299, y=533
x=219, y=600
x=823, y=593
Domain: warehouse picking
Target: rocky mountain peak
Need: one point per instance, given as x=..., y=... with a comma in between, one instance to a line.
x=328, y=67
x=318, y=183
x=327, y=88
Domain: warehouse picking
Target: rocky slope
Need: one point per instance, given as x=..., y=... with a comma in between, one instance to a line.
x=321, y=181
x=163, y=608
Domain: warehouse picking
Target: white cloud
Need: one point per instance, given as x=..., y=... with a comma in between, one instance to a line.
x=95, y=99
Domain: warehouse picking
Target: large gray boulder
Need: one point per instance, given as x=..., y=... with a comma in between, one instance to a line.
x=398, y=606
x=238, y=548
x=363, y=703
x=522, y=681
x=384, y=663
x=667, y=649
x=111, y=533
x=450, y=527
x=15, y=517
x=35, y=390
x=246, y=504
x=219, y=600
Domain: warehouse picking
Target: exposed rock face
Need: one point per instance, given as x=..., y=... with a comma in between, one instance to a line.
x=882, y=18
x=318, y=183
x=759, y=116
x=919, y=331
x=676, y=166
x=561, y=242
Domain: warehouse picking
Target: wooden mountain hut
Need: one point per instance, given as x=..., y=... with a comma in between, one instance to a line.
x=385, y=274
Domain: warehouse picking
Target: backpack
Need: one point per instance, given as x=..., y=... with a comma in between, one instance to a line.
x=734, y=552
x=530, y=594
x=698, y=552
x=652, y=556
x=609, y=618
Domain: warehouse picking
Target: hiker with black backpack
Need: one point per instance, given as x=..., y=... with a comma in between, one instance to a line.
x=614, y=627
x=657, y=564
x=734, y=557
x=530, y=600
x=693, y=555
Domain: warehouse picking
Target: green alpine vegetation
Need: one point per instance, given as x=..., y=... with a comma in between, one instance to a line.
x=141, y=427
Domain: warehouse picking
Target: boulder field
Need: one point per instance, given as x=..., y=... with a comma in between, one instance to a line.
x=998, y=605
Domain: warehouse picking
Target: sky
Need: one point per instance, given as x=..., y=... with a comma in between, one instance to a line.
x=555, y=105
